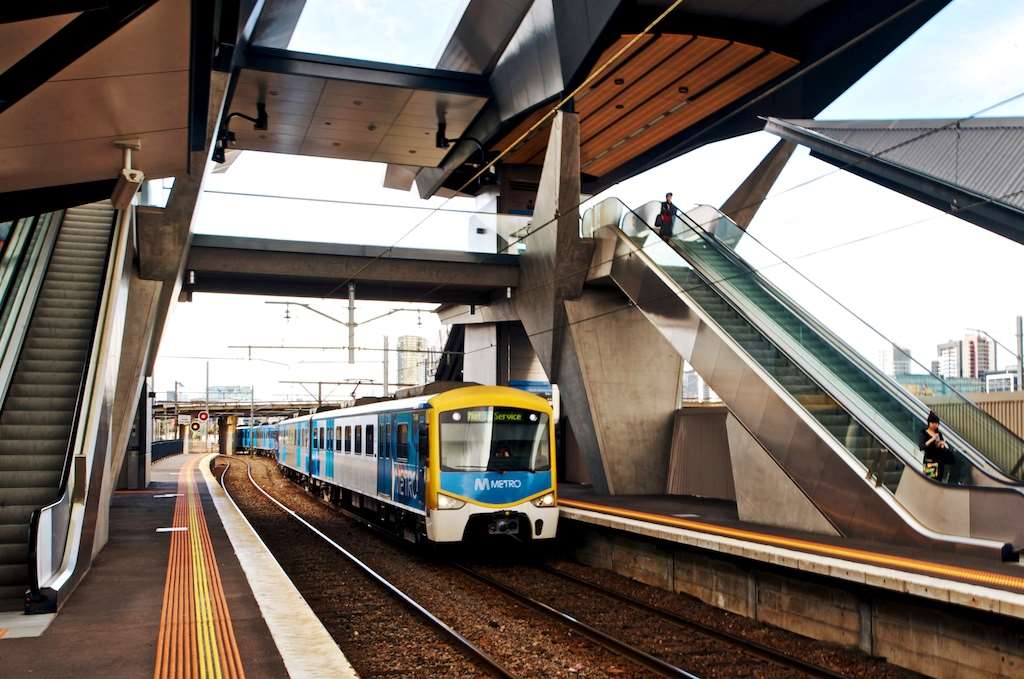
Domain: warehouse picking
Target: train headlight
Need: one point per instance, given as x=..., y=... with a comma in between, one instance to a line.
x=445, y=502
x=545, y=500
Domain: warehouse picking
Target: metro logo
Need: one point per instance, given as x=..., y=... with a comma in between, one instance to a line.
x=492, y=484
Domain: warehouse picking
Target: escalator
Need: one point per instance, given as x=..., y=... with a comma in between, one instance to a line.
x=47, y=380
x=842, y=432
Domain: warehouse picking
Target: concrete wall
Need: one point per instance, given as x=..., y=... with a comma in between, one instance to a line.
x=699, y=463
x=940, y=640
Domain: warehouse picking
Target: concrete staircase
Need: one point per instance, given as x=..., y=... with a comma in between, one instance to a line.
x=38, y=413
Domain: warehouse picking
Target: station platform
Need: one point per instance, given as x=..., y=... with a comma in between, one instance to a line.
x=714, y=525
x=184, y=588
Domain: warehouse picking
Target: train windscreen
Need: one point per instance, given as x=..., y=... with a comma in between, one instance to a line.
x=492, y=438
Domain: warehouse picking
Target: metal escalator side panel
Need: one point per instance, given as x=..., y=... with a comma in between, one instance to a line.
x=62, y=543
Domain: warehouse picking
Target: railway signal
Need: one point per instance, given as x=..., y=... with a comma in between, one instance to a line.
x=195, y=426
x=203, y=416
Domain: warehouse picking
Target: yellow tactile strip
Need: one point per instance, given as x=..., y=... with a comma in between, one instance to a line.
x=196, y=638
x=971, y=575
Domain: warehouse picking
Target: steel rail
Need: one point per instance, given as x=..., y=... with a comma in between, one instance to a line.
x=467, y=646
x=613, y=644
x=748, y=645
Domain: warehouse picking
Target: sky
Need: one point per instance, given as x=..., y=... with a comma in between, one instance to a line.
x=918, y=275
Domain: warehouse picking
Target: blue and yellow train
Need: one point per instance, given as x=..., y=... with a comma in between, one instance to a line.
x=469, y=462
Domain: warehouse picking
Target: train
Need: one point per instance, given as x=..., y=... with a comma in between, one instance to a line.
x=468, y=463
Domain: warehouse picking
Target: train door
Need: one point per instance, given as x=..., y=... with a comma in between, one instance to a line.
x=329, y=450
x=385, y=445
x=411, y=442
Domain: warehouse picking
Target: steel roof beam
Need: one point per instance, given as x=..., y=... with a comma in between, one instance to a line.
x=66, y=46
x=987, y=212
x=289, y=62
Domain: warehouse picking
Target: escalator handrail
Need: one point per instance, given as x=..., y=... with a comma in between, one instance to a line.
x=901, y=457
x=917, y=408
x=69, y=451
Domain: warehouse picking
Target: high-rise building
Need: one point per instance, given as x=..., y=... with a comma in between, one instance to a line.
x=411, y=357
x=950, y=359
x=977, y=353
x=896, y=361
x=935, y=368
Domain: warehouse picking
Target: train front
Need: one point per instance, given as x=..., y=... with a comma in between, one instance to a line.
x=492, y=466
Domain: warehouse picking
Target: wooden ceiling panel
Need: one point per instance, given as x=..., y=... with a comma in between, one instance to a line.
x=345, y=90
x=351, y=150
x=632, y=68
x=749, y=79
x=256, y=140
x=596, y=139
x=344, y=130
x=527, y=123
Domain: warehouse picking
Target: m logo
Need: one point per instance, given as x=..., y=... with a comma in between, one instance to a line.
x=493, y=484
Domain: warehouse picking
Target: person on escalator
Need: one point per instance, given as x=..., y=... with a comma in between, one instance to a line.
x=937, y=457
x=666, y=217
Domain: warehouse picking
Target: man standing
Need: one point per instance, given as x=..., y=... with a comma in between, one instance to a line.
x=666, y=217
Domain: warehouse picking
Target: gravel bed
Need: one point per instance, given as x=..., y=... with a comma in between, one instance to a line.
x=378, y=635
x=526, y=642
x=848, y=661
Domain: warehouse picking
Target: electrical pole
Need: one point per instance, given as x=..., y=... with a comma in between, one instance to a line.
x=351, y=323
x=1020, y=352
x=386, y=354
x=206, y=425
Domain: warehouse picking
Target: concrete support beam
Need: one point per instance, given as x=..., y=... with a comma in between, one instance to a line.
x=617, y=377
x=226, y=427
x=743, y=204
x=764, y=492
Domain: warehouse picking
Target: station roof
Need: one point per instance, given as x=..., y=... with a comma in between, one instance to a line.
x=973, y=168
x=75, y=76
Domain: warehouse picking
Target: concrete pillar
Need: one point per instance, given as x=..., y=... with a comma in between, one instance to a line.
x=480, y=361
x=699, y=462
x=226, y=427
x=134, y=472
x=618, y=378
x=184, y=433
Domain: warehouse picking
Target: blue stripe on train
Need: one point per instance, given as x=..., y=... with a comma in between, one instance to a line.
x=495, y=488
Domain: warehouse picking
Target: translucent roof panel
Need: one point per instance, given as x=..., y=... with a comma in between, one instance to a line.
x=408, y=33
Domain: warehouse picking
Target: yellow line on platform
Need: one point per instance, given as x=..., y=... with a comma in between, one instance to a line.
x=196, y=638
x=970, y=575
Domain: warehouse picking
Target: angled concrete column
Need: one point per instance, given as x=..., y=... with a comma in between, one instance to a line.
x=618, y=378
x=743, y=204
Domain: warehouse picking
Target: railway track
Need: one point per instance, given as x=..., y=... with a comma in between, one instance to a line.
x=645, y=662
x=789, y=665
x=471, y=650
x=747, y=645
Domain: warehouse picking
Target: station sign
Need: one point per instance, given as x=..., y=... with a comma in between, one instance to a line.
x=184, y=419
x=203, y=416
x=195, y=426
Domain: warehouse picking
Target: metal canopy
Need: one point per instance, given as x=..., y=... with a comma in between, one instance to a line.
x=75, y=83
x=346, y=108
x=973, y=168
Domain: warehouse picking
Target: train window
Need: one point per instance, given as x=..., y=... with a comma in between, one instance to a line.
x=348, y=439
x=424, y=439
x=330, y=438
x=316, y=439
x=359, y=439
x=370, y=450
x=402, y=442
x=385, y=450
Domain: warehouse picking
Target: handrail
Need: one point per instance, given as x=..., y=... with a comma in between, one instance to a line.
x=27, y=282
x=966, y=449
x=80, y=418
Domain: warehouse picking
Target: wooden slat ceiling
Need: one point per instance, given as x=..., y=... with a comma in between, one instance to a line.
x=658, y=88
x=341, y=119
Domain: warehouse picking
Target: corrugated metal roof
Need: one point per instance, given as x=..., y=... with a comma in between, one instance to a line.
x=984, y=156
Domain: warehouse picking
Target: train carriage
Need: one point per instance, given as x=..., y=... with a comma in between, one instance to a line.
x=465, y=463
